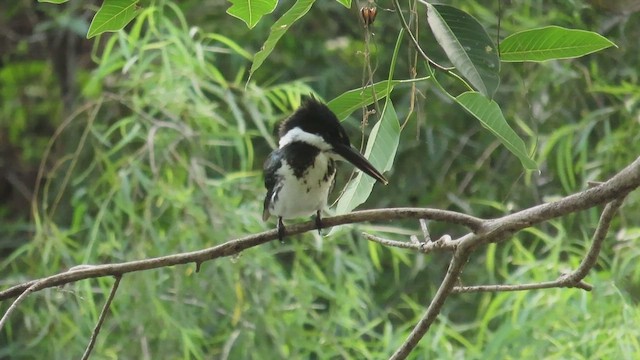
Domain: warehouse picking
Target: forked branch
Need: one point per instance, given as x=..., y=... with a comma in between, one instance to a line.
x=481, y=231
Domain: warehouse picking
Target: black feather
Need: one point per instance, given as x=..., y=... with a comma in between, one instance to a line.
x=316, y=118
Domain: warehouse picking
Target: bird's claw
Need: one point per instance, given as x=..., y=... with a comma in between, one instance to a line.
x=319, y=225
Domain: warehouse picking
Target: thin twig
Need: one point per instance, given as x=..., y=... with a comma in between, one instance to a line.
x=519, y=287
x=576, y=277
x=444, y=243
x=406, y=28
x=103, y=315
x=34, y=285
x=589, y=261
x=424, y=226
x=458, y=260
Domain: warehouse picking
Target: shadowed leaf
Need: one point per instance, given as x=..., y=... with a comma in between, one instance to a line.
x=467, y=45
x=490, y=116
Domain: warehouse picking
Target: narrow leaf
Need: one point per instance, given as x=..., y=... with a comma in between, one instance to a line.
x=381, y=150
x=113, y=15
x=467, y=45
x=251, y=11
x=345, y=3
x=53, y=1
x=490, y=116
x=278, y=29
x=352, y=100
x=551, y=42
x=346, y=103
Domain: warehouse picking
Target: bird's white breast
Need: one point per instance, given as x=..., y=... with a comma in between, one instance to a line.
x=305, y=195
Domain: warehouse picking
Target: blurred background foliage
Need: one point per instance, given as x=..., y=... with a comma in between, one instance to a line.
x=149, y=142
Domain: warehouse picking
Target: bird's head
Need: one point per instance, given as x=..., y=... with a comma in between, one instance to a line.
x=315, y=124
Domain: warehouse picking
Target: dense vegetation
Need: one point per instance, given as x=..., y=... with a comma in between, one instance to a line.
x=150, y=141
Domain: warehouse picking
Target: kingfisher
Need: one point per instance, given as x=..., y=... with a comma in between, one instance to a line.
x=300, y=174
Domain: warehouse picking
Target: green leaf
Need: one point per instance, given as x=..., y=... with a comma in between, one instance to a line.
x=381, y=150
x=467, y=45
x=551, y=42
x=490, y=116
x=345, y=3
x=113, y=15
x=278, y=29
x=53, y=1
x=251, y=11
x=346, y=103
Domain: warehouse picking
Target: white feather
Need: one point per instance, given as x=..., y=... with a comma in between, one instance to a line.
x=297, y=134
x=305, y=195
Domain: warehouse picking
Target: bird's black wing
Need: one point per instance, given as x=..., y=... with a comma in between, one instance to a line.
x=270, y=169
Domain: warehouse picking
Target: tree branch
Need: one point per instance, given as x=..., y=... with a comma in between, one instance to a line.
x=573, y=279
x=235, y=246
x=481, y=232
x=613, y=191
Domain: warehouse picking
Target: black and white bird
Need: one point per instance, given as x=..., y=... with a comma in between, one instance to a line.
x=300, y=174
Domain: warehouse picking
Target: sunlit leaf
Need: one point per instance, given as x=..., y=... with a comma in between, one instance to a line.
x=345, y=3
x=113, y=15
x=467, y=45
x=251, y=11
x=381, y=150
x=551, y=42
x=278, y=29
x=490, y=116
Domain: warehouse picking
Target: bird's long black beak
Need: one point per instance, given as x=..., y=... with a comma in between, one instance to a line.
x=353, y=156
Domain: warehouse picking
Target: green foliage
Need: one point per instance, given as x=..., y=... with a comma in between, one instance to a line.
x=551, y=43
x=467, y=45
x=490, y=116
x=113, y=15
x=381, y=151
x=251, y=11
x=162, y=153
x=278, y=29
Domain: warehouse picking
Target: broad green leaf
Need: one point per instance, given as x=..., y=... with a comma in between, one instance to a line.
x=278, y=29
x=467, y=45
x=490, y=116
x=381, y=150
x=113, y=15
x=251, y=11
x=53, y=1
x=345, y=3
x=345, y=104
x=551, y=42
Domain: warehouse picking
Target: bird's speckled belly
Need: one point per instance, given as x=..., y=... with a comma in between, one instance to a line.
x=305, y=195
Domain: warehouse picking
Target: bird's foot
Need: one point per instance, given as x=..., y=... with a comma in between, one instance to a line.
x=281, y=230
x=319, y=224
